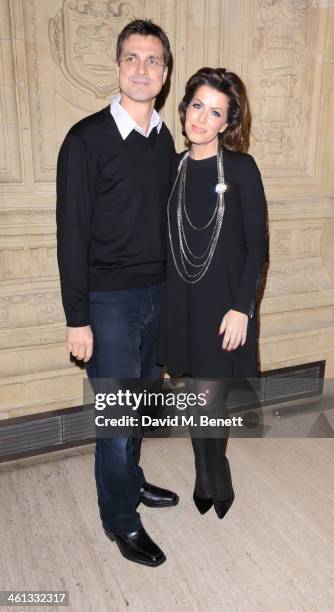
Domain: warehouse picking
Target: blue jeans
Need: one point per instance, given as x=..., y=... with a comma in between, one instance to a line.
x=125, y=330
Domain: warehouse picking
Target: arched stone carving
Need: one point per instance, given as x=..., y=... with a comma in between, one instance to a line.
x=83, y=39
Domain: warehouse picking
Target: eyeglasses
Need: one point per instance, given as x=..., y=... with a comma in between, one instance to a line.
x=152, y=63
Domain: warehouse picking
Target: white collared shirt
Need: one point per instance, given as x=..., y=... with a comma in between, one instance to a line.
x=125, y=123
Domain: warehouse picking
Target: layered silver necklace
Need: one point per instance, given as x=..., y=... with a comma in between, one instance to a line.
x=192, y=266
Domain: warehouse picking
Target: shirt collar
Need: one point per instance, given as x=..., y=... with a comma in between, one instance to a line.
x=125, y=123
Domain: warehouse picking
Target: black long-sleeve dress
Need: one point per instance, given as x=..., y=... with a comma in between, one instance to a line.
x=191, y=314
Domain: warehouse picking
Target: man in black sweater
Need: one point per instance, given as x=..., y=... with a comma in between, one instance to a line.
x=114, y=175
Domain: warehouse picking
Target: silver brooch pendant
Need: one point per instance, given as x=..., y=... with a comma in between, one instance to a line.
x=220, y=187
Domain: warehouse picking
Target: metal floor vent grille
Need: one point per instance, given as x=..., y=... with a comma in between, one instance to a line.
x=34, y=434
x=280, y=386
x=28, y=437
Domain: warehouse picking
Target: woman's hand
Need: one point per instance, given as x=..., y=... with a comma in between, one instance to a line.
x=234, y=324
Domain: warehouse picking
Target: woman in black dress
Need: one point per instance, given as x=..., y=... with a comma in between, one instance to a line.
x=217, y=248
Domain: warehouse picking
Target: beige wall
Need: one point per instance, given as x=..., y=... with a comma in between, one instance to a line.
x=57, y=66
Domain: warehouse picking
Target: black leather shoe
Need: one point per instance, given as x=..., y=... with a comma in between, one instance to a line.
x=155, y=497
x=138, y=547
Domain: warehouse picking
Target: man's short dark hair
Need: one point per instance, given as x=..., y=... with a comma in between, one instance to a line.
x=144, y=27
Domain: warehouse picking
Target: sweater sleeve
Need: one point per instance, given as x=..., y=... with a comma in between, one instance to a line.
x=253, y=205
x=75, y=193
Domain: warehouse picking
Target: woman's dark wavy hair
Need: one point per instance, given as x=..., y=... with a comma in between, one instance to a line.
x=236, y=135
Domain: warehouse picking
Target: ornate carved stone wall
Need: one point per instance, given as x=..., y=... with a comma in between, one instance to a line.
x=57, y=61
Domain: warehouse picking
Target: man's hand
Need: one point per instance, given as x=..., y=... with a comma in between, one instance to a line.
x=234, y=324
x=79, y=342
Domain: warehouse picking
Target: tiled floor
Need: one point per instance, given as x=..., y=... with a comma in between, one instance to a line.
x=274, y=550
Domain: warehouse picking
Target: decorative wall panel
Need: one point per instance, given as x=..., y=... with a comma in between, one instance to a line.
x=58, y=65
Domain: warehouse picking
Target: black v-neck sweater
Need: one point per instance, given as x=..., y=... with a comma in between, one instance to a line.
x=111, y=210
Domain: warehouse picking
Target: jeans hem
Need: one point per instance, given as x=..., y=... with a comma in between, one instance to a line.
x=122, y=527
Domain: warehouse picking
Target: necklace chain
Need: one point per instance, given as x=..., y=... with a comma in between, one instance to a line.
x=183, y=256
